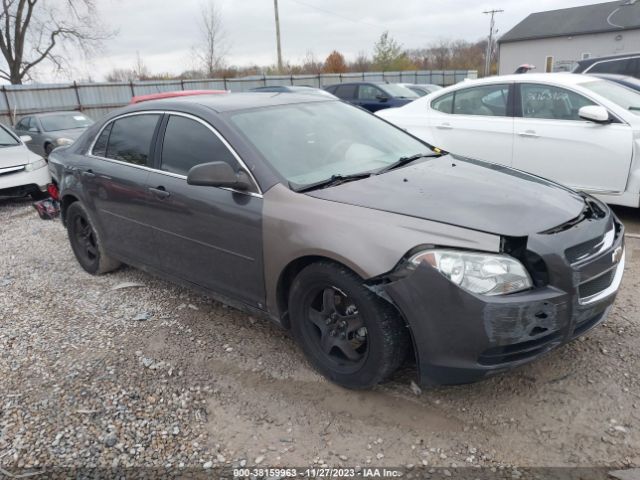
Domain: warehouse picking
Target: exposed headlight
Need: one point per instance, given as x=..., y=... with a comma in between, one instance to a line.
x=486, y=274
x=63, y=141
x=30, y=167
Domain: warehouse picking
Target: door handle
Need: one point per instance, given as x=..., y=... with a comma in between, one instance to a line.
x=529, y=134
x=445, y=126
x=88, y=174
x=160, y=192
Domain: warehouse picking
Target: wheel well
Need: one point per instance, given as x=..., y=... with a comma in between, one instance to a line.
x=67, y=200
x=285, y=281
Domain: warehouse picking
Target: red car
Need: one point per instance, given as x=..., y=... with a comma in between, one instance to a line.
x=179, y=93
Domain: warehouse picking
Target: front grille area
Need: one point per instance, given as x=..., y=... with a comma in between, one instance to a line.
x=596, y=285
x=583, y=250
x=519, y=351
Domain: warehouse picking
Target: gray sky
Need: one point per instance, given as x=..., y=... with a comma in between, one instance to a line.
x=164, y=32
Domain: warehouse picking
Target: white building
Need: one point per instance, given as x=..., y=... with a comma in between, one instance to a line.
x=555, y=40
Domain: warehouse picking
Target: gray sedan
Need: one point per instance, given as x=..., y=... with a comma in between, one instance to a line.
x=368, y=244
x=51, y=130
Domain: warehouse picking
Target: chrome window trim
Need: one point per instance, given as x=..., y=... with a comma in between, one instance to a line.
x=611, y=289
x=90, y=153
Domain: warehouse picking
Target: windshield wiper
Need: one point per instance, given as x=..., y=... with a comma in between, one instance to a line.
x=402, y=161
x=634, y=108
x=332, y=181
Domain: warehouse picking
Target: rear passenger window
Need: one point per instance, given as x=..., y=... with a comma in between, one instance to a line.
x=488, y=101
x=130, y=139
x=188, y=143
x=346, y=92
x=100, y=147
x=443, y=104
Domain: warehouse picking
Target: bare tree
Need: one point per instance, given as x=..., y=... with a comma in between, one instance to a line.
x=213, y=47
x=37, y=31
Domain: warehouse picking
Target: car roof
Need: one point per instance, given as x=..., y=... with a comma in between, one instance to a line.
x=49, y=114
x=362, y=82
x=590, y=61
x=563, y=78
x=232, y=101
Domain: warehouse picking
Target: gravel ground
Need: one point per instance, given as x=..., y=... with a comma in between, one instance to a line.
x=128, y=370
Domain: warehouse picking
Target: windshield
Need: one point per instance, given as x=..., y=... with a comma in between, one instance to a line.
x=6, y=139
x=310, y=142
x=398, y=91
x=616, y=93
x=64, y=121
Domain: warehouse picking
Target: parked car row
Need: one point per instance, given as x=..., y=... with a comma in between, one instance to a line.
x=577, y=130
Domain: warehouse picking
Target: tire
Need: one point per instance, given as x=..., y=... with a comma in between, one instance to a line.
x=85, y=242
x=48, y=148
x=348, y=333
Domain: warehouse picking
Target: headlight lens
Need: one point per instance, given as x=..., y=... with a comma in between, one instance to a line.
x=30, y=167
x=63, y=141
x=481, y=273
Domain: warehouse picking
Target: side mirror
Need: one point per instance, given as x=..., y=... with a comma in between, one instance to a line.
x=382, y=98
x=594, y=113
x=218, y=174
x=25, y=138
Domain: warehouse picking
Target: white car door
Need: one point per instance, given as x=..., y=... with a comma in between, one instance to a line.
x=475, y=122
x=552, y=141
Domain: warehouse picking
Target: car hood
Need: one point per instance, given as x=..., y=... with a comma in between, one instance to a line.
x=72, y=133
x=466, y=193
x=14, y=156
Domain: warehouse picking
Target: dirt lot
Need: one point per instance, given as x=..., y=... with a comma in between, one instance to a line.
x=95, y=371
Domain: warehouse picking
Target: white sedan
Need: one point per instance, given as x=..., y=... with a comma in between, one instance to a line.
x=581, y=131
x=22, y=172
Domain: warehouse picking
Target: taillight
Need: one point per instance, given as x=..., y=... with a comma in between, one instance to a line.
x=52, y=188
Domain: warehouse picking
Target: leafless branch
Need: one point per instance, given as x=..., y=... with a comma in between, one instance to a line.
x=36, y=31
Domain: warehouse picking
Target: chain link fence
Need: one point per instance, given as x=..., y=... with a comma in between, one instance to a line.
x=97, y=99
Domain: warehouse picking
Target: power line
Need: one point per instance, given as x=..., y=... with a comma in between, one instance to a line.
x=329, y=12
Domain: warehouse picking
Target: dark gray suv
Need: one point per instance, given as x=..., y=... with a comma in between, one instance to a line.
x=363, y=240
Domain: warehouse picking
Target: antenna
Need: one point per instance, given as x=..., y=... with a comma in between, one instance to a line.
x=492, y=31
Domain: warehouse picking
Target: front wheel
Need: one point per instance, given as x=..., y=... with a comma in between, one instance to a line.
x=86, y=243
x=347, y=332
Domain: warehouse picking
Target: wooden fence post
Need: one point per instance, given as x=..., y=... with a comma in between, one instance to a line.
x=6, y=99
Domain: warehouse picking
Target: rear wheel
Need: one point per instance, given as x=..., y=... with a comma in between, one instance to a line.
x=85, y=242
x=349, y=334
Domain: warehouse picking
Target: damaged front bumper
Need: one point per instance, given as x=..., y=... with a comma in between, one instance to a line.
x=461, y=337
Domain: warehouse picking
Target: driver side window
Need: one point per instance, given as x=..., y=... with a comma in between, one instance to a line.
x=33, y=125
x=369, y=92
x=553, y=103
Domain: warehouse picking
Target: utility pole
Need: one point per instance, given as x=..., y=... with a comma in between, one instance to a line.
x=275, y=6
x=488, y=54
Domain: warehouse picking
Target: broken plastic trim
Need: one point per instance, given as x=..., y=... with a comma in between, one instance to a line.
x=592, y=209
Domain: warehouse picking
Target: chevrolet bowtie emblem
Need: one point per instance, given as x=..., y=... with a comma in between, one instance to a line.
x=616, y=256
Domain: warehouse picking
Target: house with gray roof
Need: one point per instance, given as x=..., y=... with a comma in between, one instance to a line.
x=556, y=39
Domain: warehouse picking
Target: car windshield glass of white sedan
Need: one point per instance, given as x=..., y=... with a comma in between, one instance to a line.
x=53, y=123
x=623, y=96
x=6, y=139
x=311, y=142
